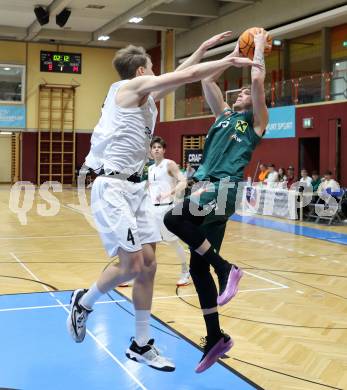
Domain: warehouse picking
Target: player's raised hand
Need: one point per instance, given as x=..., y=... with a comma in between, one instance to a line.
x=261, y=38
x=240, y=62
x=215, y=40
x=236, y=51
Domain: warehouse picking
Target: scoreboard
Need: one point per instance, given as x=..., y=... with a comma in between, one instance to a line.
x=51, y=61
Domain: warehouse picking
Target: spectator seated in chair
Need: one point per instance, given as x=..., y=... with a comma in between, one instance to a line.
x=327, y=189
x=282, y=178
x=263, y=173
x=316, y=180
x=328, y=183
x=305, y=178
x=272, y=178
x=290, y=177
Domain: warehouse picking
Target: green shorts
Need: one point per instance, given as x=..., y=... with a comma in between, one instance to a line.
x=220, y=205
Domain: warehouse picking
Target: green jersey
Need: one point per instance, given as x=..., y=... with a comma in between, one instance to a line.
x=228, y=148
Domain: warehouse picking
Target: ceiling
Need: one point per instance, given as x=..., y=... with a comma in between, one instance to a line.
x=91, y=18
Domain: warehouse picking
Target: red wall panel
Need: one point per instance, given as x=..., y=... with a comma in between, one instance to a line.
x=321, y=115
x=173, y=133
x=29, y=157
x=82, y=148
x=155, y=54
x=281, y=152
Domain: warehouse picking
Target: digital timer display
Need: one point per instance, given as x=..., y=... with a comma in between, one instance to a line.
x=51, y=61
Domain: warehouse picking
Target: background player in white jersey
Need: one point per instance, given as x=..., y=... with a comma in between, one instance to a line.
x=167, y=183
x=120, y=205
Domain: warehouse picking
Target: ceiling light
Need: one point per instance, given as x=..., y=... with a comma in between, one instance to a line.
x=337, y=64
x=103, y=38
x=7, y=68
x=5, y=133
x=277, y=42
x=135, y=19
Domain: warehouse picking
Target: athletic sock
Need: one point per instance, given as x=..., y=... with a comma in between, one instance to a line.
x=142, y=327
x=90, y=297
x=217, y=262
x=181, y=254
x=212, y=325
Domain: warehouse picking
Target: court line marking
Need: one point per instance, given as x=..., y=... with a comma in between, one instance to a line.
x=59, y=250
x=100, y=344
x=125, y=300
x=260, y=277
x=267, y=280
x=75, y=208
x=39, y=237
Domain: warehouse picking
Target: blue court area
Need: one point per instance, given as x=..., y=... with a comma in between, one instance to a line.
x=40, y=354
x=319, y=234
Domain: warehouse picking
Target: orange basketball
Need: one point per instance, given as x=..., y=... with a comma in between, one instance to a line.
x=246, y=43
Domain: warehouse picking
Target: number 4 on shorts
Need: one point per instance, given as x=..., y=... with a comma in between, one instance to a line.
x=130, y=237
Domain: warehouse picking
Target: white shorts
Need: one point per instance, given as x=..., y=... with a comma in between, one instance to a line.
x=123, y=215
x=160, y=212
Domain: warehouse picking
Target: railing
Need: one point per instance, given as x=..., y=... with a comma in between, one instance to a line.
x=302, y=90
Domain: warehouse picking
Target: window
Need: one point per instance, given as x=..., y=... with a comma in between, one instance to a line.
x=339, y=80
x=12, y=84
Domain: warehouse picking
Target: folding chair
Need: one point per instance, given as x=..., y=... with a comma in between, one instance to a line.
x=337, y=216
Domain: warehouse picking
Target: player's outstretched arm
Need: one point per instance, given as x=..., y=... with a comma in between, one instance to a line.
x=214, y=97
x=261, y=116
x=195, y=58
x=133, y=92
x=212, y=92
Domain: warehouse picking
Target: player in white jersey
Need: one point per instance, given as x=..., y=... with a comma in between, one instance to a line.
x=120, y=205
x=165, y=183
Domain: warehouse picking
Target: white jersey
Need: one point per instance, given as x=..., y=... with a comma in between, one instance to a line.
x=160, y=181
x=121, y=139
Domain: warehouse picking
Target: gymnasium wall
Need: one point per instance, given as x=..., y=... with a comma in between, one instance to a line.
x=89, y=96
x=281, y=152
x=29, y=156
x=5, y=158
x=96, y=77
x=321, y=115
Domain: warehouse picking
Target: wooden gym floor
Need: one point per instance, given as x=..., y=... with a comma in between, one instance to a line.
x=289, y=321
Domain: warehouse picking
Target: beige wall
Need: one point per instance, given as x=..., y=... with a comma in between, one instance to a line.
x=5, y=158
x=97, y=75
x=12, y=52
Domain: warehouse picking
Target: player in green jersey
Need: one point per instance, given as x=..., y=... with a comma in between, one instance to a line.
x=201, y=220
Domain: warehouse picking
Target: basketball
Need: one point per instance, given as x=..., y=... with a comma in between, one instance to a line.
x=246, y=43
